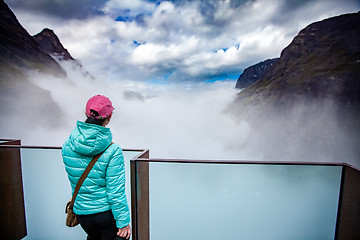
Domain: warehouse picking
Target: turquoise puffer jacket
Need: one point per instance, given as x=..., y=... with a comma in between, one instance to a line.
x=104, y=187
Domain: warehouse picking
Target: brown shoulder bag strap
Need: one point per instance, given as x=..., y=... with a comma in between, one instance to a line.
x=84, y=175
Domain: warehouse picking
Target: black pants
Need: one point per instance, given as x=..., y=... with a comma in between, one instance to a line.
x=99, y=226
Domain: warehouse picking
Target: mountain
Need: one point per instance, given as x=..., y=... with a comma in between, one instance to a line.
x=19, y=50
x=322, y=62
x=254, y=73
x=50, y=43
x=307, y=106
x=24, y=60
x=21, y=101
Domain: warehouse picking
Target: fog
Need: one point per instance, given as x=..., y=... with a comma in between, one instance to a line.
x=183, y=120
x=172, y=120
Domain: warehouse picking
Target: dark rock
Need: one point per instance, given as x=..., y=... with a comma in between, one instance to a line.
x=322, y=62
x=307, y=106
x=254, y=73
x=23, y=103
x=50, y=43
x=19, y=49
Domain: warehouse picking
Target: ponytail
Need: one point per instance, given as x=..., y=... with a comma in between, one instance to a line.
x=94, y=120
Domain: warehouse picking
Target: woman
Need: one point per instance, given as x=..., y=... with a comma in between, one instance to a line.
x=101, y=203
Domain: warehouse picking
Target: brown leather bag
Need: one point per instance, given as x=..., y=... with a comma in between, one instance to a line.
x=71, y=218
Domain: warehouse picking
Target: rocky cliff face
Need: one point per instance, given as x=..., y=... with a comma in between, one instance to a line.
x=23, y=60
x=322, y=62
x=254, y=73
x=307, y=106
x=50, y=43
x=20, y=54
x=19, y=49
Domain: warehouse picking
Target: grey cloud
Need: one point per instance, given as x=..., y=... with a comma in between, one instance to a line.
x=296, y=3
x=213, y=24
x=293, y=10
x=174, y=30
x=208, y=10
x=79, y=9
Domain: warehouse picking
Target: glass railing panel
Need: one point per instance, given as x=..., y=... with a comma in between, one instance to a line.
x=47, y=190
x=243, y=201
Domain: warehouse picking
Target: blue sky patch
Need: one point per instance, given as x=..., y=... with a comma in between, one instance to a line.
x=124, y=19
x=136, y=43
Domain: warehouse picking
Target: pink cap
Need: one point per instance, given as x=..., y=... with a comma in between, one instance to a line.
x=101, y=104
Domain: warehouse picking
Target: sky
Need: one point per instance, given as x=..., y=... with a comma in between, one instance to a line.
x=174, y=41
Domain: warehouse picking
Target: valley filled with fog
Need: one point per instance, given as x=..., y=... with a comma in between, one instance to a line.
x=182, y=120
x=172, y=120
x=159, y=71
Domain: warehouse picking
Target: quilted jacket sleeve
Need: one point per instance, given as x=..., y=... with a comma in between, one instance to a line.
x=115, y=188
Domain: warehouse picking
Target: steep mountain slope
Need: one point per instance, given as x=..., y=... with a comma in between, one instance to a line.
x=50, y=43
x=19, y=49
x=307, y=107
x=322, y=62
x=254, y=73
x=21, y=101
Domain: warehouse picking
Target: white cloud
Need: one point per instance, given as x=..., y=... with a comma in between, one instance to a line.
x=183, y=38
x=161, y=54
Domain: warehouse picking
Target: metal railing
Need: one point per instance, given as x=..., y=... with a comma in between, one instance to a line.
x=12, y=215
x=149, y=202
x=337, y=211
x=34, y=190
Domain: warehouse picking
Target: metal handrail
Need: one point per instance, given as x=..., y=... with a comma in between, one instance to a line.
x=142, y=152
x=138, y=158
x=217, y=161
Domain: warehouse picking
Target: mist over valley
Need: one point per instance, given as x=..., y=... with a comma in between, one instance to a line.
x=305, y=107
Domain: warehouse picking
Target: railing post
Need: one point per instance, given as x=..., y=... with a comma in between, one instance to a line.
x=12, y=214
x=348, y=219
x=140, y=198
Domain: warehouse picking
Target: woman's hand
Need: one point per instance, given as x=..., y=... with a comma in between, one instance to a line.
x=124, y=232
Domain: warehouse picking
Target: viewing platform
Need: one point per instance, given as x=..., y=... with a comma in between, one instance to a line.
x=173, y=199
